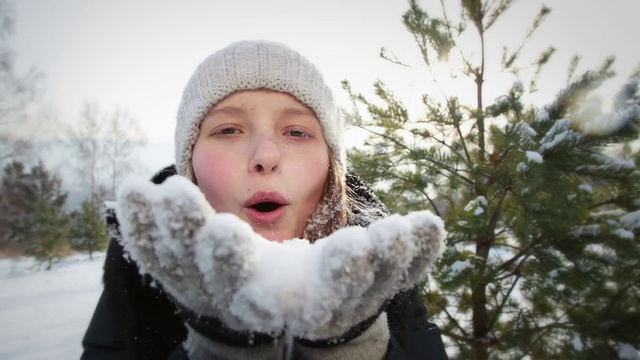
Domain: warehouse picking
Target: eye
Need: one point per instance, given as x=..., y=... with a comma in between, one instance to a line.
x=226, y=131
x=297, y=133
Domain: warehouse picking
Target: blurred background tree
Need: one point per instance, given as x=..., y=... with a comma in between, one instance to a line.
x=92, y=155
x=17, y=93
x=39, y=225
x=103, y=146
x=89, y=229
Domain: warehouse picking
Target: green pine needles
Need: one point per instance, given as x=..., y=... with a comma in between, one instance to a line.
x=542, y=203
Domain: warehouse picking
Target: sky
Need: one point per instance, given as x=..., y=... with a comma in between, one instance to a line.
x=138, y=55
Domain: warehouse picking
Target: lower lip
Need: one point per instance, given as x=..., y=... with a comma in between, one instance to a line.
x=270, y=217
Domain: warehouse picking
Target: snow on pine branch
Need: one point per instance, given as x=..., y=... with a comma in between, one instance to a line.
x=610, y=123
x=560, y=135
x=631, y=221
x=607, y=164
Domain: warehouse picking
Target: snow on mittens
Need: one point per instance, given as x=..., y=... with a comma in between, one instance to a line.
x=214, y=264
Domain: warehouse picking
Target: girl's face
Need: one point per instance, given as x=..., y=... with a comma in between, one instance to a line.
x=262, y=156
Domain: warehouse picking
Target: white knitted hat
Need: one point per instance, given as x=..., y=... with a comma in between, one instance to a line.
x=247, y=65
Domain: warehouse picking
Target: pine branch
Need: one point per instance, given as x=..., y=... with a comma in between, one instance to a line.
x=391, y=57
x=542, y=331
x=442, y=142
x=618, y=295
x=502, y=7
x=544, y=12
x=611, y=201
x=457, y=325
x=401, y=145
x=589, y=81
x=497, y=312
x=524, y=252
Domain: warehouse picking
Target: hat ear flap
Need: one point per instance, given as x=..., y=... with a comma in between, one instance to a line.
x=332, y=211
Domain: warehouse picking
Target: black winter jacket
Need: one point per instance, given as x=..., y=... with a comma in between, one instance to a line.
x=135, y=319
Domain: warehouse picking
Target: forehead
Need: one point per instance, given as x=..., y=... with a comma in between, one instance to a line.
x=248, y=102
x=269, y=97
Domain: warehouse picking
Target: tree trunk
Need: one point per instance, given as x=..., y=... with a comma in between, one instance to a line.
x=480, y=317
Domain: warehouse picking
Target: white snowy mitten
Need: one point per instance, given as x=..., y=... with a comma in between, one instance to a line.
x=201, y=258
x=235, y=288
x=363, y=268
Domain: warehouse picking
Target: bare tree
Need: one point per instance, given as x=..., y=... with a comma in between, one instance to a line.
x=104, y=145
x=123, y=139
x=17, y=92
x=86, y=148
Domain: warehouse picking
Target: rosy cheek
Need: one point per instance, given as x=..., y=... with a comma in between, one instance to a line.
x=318, y=171
x=213, y=173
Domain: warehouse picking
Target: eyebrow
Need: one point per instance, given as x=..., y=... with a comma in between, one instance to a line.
x=296, y=111
x=238, y=111
x=228, y=110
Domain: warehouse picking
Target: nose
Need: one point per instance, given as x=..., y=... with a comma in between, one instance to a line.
x=266, y=155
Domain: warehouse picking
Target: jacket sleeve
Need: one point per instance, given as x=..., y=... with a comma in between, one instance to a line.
x=412, y=335
x=102, y=339
x=110, y=329
x=133, y=319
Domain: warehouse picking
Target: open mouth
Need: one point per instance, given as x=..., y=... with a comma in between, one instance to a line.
x=266, y=206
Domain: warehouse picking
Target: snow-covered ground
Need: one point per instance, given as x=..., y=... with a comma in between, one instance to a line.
x=44, y=314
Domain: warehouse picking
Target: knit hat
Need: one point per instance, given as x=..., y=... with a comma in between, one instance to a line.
x=248, y=65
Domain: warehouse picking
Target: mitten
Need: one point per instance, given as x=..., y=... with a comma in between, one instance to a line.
x=200, y=258
x=360, y=269
x=218, y=269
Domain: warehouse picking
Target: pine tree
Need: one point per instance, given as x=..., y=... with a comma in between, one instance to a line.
x=89, y=230
x=542, y=259
x=46, y=230
x=15, y=203
x=33, y=205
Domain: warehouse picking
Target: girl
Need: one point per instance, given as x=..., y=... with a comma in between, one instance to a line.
x=259, y=135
